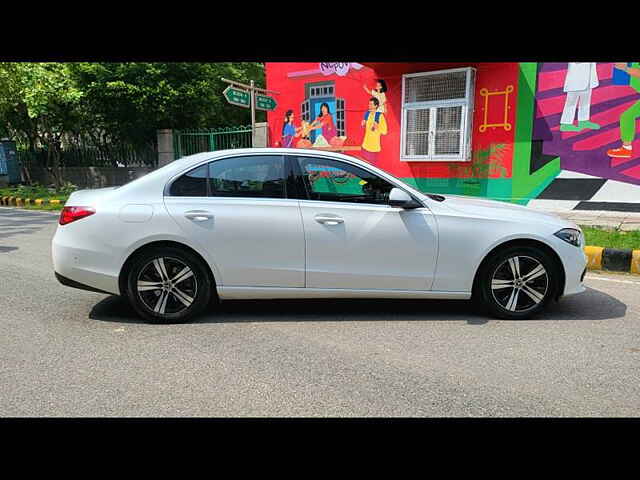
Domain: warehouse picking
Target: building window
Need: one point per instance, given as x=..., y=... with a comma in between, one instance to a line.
x=304, y=107
x=317, y=94
x=325, y=90
x=340, y=125
x=437, y=108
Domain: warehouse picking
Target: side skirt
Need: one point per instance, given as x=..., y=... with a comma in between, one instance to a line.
x=277, y=292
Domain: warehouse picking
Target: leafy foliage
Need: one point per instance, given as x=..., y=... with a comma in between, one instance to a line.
x=133, y=100
x=51, y=106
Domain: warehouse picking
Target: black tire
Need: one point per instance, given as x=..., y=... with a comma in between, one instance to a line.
x=502, y=293
x=171, y=302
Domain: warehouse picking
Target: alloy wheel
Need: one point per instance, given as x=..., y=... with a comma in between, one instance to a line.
x=166, y=285
x=520, y=283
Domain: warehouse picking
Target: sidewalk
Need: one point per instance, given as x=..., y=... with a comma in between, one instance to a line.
x=624, y=221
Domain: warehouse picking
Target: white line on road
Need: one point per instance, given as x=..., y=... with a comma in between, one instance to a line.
x=595, y=277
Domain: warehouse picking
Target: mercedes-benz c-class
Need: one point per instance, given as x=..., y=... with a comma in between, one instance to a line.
x=268, y=223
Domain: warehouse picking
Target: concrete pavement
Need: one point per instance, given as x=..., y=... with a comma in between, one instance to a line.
x=624, y=221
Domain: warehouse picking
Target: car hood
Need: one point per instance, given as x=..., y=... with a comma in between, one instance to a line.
x=479, y=207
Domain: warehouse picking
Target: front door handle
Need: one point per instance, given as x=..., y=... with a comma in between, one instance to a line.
x=198, y=215
x=326, y=220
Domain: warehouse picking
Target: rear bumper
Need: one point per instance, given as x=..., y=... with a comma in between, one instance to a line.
x=82, y=268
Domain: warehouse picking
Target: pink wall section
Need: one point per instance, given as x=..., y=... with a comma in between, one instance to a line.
x=289, y=80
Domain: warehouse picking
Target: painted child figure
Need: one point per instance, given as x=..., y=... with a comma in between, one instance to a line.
x=379, y=93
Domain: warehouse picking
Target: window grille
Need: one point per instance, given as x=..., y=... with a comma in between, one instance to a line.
x=436, y=115
x=417, y=132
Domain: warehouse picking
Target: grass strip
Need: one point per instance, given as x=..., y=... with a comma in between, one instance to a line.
x=611, y=238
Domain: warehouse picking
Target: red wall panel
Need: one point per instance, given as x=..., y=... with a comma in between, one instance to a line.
x=289, y=80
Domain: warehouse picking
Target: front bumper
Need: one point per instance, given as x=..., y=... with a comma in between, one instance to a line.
x=574, y=262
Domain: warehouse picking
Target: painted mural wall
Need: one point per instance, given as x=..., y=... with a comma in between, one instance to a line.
x=563, y=133
x=586, y=116
x=357, y=110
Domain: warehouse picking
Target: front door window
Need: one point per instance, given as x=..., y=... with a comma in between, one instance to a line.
x=335, y=181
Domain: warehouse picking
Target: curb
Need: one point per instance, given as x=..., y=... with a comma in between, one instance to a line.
x=20, y=202
x=613, y=259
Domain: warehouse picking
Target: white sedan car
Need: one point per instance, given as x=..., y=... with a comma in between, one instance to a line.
x=291, y=223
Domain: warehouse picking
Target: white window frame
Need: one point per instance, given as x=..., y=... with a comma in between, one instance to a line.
x=467, y=105
x=341, y=131
x=305, y=108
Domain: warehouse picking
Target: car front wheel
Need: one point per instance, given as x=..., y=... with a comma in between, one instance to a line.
x=168, y=285
x=517, y=283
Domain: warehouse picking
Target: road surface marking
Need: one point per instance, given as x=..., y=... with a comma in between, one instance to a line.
x=594, y=277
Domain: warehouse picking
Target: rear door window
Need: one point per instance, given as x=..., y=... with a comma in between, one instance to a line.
x=191, y=184
x=261, y=176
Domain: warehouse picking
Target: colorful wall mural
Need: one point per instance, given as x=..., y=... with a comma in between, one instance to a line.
x=541, y=133
x=586, y=115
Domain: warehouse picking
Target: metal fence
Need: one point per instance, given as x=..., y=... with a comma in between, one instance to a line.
x=111, y=156
x=3, y=162
x=188, y=142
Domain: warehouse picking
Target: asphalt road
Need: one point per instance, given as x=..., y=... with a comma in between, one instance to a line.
x=66, y=352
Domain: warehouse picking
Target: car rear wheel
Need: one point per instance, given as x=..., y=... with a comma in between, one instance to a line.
x=517, y=283
x=168, y=285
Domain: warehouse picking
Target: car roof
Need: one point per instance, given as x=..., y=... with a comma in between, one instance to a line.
x=198, y=157
x=157, y=179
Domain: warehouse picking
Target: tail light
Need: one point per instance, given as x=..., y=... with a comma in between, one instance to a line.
x=71, y=214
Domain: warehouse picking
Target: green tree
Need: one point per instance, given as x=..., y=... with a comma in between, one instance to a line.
x=132, y=100
x=39, y=105
x=106, y=105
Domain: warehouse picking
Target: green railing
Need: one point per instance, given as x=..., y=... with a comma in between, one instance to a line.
x=188, y=142
x=110, y=156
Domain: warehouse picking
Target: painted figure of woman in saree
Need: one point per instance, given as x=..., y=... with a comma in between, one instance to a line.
x=289, y=130
x=324, y=121
x=379, y=93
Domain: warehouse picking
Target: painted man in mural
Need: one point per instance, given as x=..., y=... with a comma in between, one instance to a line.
x=374, y=125
x=629, y=116
x=581, y=79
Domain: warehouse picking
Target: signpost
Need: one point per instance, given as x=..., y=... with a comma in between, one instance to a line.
x=245, y=96
x=238, y=97
x=263, y=102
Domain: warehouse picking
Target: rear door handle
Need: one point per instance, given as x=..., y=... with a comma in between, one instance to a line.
x=327, y=220
x=198, y=215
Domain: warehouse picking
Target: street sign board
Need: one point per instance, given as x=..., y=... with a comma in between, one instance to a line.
x=263, y=102
x=236, y=96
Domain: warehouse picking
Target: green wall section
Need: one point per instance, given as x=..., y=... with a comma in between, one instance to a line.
x=492, y=188
x=526, y=185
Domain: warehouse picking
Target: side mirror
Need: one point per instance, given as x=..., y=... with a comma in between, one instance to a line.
x=400, y=198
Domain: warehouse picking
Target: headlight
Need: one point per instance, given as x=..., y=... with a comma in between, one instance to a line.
x=570, y=235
